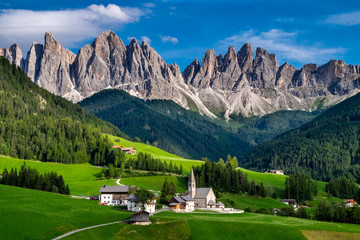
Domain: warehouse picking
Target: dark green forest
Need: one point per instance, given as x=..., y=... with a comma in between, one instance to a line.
x=186, y=133
x=36, y=124
x=326, y=148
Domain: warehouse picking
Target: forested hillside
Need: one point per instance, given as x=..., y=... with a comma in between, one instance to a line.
x=35, y=124
x=326, y=147
x=187, y=133
x=166, y=125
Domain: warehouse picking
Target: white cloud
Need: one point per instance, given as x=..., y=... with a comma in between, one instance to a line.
x=149, y=5
x=346, y=19
x=69, y=26
x=284, y=45
x=146, y=39
x=165, y=39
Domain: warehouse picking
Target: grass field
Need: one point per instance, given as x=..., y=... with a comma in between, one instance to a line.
x=157, y=153
x=242, y=202
x=31, y=214
x=226, y=226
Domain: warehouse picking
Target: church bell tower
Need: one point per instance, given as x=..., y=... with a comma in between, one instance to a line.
x=192, y=184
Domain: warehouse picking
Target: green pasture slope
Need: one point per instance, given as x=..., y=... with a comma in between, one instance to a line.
x=157, y=153
x=32, y=214
x=220, y=226
x=82, y=177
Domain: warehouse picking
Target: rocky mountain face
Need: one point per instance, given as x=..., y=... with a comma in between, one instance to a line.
x=236, y=83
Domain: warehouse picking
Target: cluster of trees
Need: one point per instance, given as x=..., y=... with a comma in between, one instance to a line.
x=300, y=187
x=337, y=213
x=223, y=177
x=325, y=148
x=36, y=124
x=167, y=192
x=31, y=178
x=144, y=196
x=343, y=188
x=145, y=161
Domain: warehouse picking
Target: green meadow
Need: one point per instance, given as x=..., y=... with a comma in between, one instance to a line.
x=32, y=214
x=241, y=201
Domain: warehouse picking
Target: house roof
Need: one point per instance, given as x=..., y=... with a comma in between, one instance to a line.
x=219, y=204
x=132, y=198
x=114, y=189
x=187, y=198
x=202, y=192
x=350, y=200
x=179, y=199
x=142, y=212
x=211, y=202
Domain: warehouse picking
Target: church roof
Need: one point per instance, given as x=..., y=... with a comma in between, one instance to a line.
x=202, y=192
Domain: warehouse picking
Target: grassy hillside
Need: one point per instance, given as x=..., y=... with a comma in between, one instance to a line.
x=325, y=148
x=227, y=226
x=157, y=153
x=82, y=177
x=31, y=214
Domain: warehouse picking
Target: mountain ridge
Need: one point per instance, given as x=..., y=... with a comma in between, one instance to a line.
x=244, y=82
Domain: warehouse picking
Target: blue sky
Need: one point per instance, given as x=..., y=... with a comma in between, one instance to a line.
x=298, y=32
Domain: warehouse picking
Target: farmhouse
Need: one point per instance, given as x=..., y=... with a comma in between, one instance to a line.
x=182, y=204
x=134, y=205
x=128, y=150
x=140, y=218
x=350, y=202
x=290, y=202
x=204, y=197
x=279, y=172
x=113, y=195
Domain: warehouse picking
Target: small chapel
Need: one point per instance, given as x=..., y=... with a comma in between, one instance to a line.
x=204, y=197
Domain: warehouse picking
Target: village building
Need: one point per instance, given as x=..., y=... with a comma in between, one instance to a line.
x=203, y=197
x=350, y=202
x=220, y=205
x=279, y=172
x=290, y=202
x=134, y=205
x=113, y=195
x=140, y=218
x=127, y=150
x=182, y=204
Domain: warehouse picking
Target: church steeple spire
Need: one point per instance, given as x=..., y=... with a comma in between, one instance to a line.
x=192, y=184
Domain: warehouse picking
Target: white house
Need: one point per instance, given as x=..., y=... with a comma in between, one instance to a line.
x=274, y=171
x=290, y=202
x=113, y=195
x=134, y=205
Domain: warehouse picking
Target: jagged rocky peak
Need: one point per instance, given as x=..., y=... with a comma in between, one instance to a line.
x=108, y=44
x=190, y=71
x=33, y=60
x=246, y=57
x=13, y=54
x=284, y=75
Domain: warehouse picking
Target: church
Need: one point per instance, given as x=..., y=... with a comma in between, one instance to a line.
x=204, y=197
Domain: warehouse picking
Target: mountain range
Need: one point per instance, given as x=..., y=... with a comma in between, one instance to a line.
x=225, y=86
